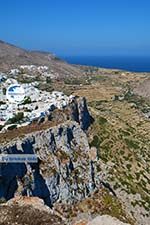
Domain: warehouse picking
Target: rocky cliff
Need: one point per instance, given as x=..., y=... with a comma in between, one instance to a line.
x=67, y=176
x=59, y=174
x=63, y=172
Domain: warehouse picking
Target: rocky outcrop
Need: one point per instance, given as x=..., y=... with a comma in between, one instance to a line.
x=80, y=113
x=105, y=220
x=63, y=172
x=76, y=110
x=99, y=220
x=31, y=211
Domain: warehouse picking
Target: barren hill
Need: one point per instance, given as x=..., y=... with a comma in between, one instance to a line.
x=12, y=56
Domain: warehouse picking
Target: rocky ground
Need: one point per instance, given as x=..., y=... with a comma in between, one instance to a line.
x=121, y=135
x=31, y=210
x=93, y=158
x=66, y=175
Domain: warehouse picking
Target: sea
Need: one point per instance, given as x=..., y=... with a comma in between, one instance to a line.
x=127, y=63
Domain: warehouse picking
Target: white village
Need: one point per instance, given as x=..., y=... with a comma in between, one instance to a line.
x=25, y=101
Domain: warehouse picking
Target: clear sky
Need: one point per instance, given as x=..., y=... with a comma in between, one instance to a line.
x=78, y=27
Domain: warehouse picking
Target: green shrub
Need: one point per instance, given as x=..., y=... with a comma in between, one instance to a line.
x=116, y=97
x=18, y=117
x=128, y=166
x=2, y=200
x=11, y=127
x=95, y=142
x=131, y=144
x=48, y=80
x=1, y=127
x=4, y=91
x=72, y=81
x=2, y=103
x=27, y=100
x=102, y=120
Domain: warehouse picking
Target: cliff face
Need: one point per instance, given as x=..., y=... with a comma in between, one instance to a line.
x=80, y=113
x=62, y=170
x=67, y=174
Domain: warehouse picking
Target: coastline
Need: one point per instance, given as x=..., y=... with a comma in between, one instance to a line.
x=139, y=64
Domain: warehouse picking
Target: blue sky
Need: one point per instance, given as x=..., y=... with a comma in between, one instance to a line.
x=78, y=27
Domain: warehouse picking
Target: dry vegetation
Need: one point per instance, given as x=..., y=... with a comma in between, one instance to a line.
x=121, y=135
x=99, y=203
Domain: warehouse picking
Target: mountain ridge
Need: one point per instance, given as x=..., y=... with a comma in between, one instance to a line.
x=12, y=56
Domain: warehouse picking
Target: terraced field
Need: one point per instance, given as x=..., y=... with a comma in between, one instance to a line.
x=121, y=135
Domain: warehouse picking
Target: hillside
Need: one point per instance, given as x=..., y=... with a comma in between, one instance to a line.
x=121, y=135
x=103, y=170
x=11, y=57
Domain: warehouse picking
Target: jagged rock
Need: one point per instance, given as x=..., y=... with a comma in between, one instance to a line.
x=79, y=113
x=92, y=176
x=85, y=219
x=36, y=202
x=106, y=220
x=74, y=111
x=29, y=211
x=84, y=116
x=62, y=170
x=93, y=153
x=8, y=176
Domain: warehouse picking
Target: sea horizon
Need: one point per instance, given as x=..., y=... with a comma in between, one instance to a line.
x=127, y=63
